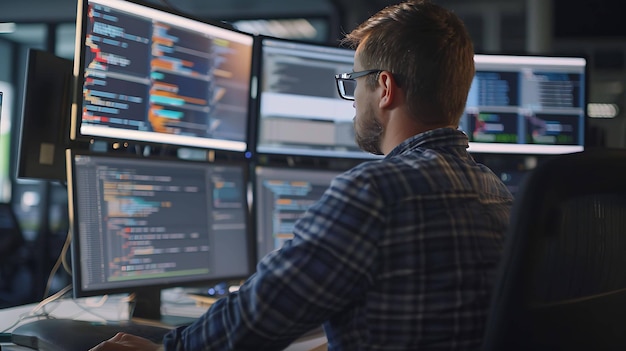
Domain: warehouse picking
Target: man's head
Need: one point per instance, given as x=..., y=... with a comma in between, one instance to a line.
x=425, y=51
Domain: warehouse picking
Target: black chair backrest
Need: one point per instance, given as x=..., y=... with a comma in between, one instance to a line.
x=11, y=237
x=562, y=281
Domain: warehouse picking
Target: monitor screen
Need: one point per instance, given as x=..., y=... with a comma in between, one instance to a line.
x=44, y=132
x=149, y=75
x=281, y=196
x=299, y=109
x=143, y=223
x=526, y=105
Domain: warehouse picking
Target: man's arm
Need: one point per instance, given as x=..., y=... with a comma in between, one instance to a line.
x=322, y=270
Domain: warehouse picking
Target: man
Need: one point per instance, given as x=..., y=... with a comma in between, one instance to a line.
x=399, y=253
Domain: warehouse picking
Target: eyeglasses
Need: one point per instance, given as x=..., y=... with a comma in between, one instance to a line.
x=346, y=82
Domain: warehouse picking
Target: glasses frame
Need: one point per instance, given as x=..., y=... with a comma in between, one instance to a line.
x=351, y=76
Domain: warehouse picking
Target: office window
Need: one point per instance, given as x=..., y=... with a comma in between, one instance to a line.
x=5, y=140
x=65, y=37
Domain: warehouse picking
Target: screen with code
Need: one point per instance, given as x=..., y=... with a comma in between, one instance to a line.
x=149, y=75
x=526, y=105
x=141, y=222
x=299, y=109
x=282, y=195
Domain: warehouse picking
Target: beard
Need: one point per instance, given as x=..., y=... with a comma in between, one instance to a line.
x=368, y=133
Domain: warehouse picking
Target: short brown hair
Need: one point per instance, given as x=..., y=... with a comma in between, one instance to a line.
x=428, y=50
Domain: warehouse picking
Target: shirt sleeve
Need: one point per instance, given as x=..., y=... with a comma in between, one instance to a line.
x=324, y=268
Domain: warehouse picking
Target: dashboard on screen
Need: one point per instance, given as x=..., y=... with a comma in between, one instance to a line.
x=299, y=109
x=142, y=223
x=526, y=105
x=146, y=74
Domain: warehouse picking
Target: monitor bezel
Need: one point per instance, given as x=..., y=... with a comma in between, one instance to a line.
x=152, y=138
x=150, y=285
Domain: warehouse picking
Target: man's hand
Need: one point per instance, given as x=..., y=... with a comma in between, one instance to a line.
x=127, y=342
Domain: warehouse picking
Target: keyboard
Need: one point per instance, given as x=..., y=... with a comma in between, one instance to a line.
x=74, y=335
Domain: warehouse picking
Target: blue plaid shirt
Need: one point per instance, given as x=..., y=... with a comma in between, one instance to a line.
x=398, y=254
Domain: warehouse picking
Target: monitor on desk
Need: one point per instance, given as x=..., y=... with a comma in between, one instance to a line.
x=299, y=110
x=141, y=224
x=44, y=132
x=281, y=196
x=11, y=238
x=147, y=74
x=534, y=105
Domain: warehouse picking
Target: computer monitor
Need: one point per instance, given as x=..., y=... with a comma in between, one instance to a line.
x=44, y=132
x=281, y=196
x=146, y=74
x=527, y=105
x=142, y=224
x=299, y=110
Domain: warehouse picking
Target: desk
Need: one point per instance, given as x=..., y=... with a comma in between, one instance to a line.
x=114, y=308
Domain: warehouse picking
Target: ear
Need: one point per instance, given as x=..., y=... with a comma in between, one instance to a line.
x=389, y=89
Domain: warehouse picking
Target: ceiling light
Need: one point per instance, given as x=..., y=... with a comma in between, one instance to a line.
x=595, y=110
x=7, y=27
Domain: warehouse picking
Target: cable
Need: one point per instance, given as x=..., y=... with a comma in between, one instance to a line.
x=167, y=4
x=60, y=260
x=33, y=313
x=66, y=246
x=54, y=297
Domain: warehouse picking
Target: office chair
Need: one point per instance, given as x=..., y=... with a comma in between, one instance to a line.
x=11, y=237
x=13, y=265
x=562, y=280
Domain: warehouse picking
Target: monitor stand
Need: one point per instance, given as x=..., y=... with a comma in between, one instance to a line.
x=147, y=309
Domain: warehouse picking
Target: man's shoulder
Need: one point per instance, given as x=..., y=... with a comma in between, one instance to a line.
x=382, y=170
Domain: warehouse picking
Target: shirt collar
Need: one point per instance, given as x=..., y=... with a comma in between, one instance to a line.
x=432, y=139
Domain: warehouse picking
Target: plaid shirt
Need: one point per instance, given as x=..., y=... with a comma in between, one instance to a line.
x=398, y=254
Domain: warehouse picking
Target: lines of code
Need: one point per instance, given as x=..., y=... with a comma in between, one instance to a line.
x=151, y=220
x=145, y=75
x=283, y=196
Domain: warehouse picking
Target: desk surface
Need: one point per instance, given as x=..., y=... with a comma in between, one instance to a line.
x=115, y=308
